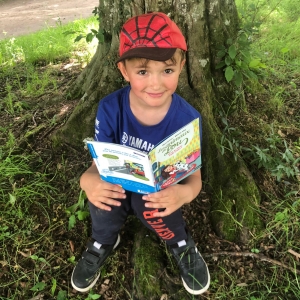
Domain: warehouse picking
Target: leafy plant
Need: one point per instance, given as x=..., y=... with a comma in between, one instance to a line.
x=230, y=139
x=78, y=210
x=92, y=296
x=38, y=287
x=236, y=60
x=277, y=157
x=99, y=34
x=280, y=163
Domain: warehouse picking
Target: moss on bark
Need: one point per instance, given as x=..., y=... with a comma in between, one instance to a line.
x=148, y=262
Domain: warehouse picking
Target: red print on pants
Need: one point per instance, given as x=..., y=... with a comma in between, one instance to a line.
x=158, y=225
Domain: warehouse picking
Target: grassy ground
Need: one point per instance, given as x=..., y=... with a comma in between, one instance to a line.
x=43, y=217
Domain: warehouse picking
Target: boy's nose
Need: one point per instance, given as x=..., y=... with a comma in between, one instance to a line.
x=155, y=82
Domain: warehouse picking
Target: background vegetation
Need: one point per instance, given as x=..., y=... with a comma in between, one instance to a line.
x=44, y=222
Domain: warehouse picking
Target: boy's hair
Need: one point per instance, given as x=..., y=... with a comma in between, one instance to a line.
x=153, y=36
x=144, y=61
x=165, y=174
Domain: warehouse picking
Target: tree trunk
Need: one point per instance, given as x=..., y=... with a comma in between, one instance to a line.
x=206, y=25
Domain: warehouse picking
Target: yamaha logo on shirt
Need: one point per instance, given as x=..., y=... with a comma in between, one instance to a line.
x=124, y=138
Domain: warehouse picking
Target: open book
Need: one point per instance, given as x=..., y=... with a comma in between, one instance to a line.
x=170, y=161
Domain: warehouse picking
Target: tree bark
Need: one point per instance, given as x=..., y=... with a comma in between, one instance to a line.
x=206, y=25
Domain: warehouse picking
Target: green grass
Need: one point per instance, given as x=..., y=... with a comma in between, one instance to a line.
x=271, y=123
x=49, y=45
x=32, y=207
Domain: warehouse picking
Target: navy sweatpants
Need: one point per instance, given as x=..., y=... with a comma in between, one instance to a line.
x=106, y=224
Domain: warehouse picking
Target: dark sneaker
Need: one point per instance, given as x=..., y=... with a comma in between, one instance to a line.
x=193, y=269
x=87, y=270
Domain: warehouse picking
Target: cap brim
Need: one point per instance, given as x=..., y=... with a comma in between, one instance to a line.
x=153, y=53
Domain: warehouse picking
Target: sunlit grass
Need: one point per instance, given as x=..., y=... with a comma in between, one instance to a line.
x=279, y=44
x=48, y=45
x=277, y=38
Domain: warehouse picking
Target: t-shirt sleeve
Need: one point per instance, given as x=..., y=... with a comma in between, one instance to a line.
x=104, y=131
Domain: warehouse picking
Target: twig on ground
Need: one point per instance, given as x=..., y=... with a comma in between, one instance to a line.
x=33, y=119
x=294, y=253
x=253, y=255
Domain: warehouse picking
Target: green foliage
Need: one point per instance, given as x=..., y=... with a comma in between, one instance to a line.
x=230, y=139
x=236, y=57
x=281, y=164
x=89, y=36
x=276, y=157
x=32, y=216
x=292, y=9
x=276, y=154
x=92, y=296
x=236, y=60
x=78, y=210
x=62, y=295
x=46, y=46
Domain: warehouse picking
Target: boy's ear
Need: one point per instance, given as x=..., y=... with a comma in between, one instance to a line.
x=182, y=64
x=121, y=67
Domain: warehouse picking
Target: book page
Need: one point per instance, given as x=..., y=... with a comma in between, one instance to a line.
x=123, y=165
x=177, y=156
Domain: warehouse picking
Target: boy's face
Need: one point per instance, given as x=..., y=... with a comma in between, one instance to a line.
x=152, y=84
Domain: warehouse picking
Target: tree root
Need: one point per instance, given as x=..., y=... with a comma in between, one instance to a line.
x=253, y=255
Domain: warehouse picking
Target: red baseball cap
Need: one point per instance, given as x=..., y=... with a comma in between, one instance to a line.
x=152, y=36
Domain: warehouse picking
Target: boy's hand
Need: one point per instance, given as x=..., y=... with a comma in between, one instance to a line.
x=100, y=193
x=173, y=197
x=170, y=199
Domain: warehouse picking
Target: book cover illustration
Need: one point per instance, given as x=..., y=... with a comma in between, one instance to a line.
x=177, y=156
x=123, y=165
x=172, y=160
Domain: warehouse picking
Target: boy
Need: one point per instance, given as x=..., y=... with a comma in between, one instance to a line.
x=151, y=52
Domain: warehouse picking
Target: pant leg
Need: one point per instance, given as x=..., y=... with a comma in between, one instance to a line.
x=170, y=228
x=106, y=224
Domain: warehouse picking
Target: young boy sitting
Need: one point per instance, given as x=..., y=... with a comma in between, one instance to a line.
x=152, y=55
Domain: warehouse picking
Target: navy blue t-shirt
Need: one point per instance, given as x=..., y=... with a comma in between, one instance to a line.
x=115, y=122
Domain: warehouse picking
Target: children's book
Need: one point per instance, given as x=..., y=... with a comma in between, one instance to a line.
x=170, y=161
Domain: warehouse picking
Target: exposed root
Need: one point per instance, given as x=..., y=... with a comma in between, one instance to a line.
x=253, y=255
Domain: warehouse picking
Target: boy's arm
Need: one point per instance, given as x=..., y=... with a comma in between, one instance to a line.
x=173, y=197
x=100, y=193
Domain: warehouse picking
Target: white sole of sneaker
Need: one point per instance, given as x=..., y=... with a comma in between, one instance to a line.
x=96, y=279
x=198, y=292
x=87, y=288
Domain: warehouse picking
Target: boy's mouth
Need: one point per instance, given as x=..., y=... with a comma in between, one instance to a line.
x=155, y=95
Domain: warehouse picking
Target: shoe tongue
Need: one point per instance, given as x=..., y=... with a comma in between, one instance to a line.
x=188, y=255
x=181, y=243
x=97, y=245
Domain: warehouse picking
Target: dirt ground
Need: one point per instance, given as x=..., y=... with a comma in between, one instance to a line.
x=19, y=17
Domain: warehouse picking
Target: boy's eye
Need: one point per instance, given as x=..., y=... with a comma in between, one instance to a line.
x=168, y=71
x=142, y=72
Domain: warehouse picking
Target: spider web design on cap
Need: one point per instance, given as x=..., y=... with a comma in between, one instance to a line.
x=152, y=34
